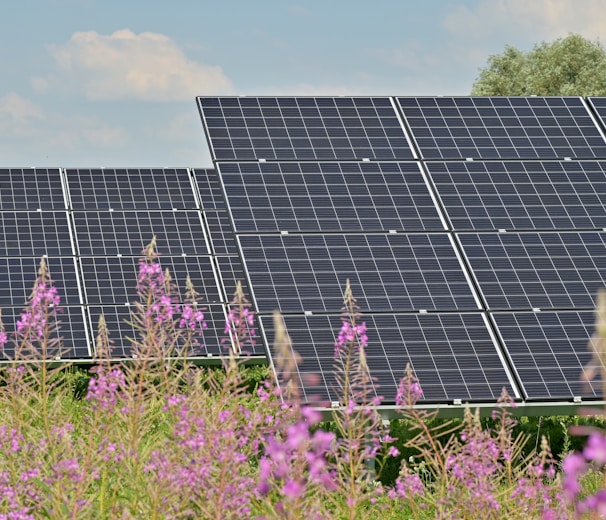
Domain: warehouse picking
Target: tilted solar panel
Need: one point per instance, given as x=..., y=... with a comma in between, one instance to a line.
x=113, y=280
x=220, y=233
x=549, y=351
x=35, y=234
x=129, y=232
x=209, y=188
x=130, y=188
x=453, y=355
x=522, y=195
x=503, y=127
x=303, y=128
x=31, y=189
x=328, y=196
x=388, y=272
x=547, y=270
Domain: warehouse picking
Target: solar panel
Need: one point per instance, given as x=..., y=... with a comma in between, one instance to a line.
x=599, y=105
x=503, y=127
x=231, y=272
x=547, y=270
x=220, y=232
x=31, y=189
x=130, y=188
x=209, y=188
x=17, y=277
x=72, y=332
x=522, y=195
x=549, y=351
x=129, y=232
x=113, y=280
x=119, y=321
x=329, y=196
x=303, y=128
x=34, y=234
x=388, y=272
x=453, y=355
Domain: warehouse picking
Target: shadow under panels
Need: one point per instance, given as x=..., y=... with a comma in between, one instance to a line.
x=303, y=128
x=502, y=127
x=453, y=355
x=522, y=195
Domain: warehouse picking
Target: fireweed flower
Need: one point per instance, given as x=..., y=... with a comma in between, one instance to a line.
x=240, y=324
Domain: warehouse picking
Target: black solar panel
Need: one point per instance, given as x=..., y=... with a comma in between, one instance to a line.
x=503, y=128
x=72, y=332
x=31, y=189
x=599, y=105
x=119, y=321
x=388, y=272
x=546, y=270
x=453, y=355
x=209, y=188
x=113, y=280
x=231, y=272
x=17, y=277
x=303, y=128
x=130, y=188
x=329, y=196
x=35, y=234
x=128, y=232
x=220, y=232
x=517, y=195
x=549, y=351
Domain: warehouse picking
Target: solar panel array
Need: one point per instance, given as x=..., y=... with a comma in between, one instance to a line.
x=472, y=232
x=91, y=226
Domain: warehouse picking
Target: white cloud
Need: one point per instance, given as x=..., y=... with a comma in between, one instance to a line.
x=18, y=110
x=124, y=65
x=536, y=19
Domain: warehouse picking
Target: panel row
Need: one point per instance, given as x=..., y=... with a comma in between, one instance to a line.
x=358, y=128
x=455, y=356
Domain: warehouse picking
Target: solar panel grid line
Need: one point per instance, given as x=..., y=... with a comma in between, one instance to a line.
x=31, y=189
x=291, y=128
x=503, y=128
x=72, y=332
x=390, y=271
x=219, y=230
x=549, y=351
x=130, y=189
x=207, y=185
x=329, y=197
x=522, y=195
x=545, y=270
x=101, y=233
x=596, y=114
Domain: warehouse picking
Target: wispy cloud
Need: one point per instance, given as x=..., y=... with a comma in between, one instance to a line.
x=124, y=65
x=536, y=19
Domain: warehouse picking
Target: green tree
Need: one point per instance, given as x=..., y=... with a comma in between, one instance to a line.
x=571, y=66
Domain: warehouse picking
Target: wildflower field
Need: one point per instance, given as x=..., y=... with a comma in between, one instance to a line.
x=158, y=437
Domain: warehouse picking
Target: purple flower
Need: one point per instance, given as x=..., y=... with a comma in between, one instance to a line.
x=595, y=449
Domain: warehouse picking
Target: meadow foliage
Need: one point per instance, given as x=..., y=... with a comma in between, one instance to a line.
x=157, y=437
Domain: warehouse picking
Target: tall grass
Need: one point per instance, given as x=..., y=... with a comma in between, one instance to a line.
x=157, y=437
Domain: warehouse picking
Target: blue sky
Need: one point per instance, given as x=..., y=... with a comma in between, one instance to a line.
x=113, y=82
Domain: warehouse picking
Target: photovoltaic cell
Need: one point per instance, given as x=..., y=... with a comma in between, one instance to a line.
x=599, y=105
x=113, y=280
x=303, y=128
x=18, y=275
x=130, y=188
x=119, y=322
x=549, y=351
x=453, y=355
x=388, y=272
x=547, y=270
x=34, y=234
x=328, y=196
x=72, y=332
x=129, y=232
x=231, y=271
x=503, y=128
x=31, y=189
x=209, y=188
x=220, y=232
x=522, y=195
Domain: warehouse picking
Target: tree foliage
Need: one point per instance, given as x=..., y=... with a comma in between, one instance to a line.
x=571, y=66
